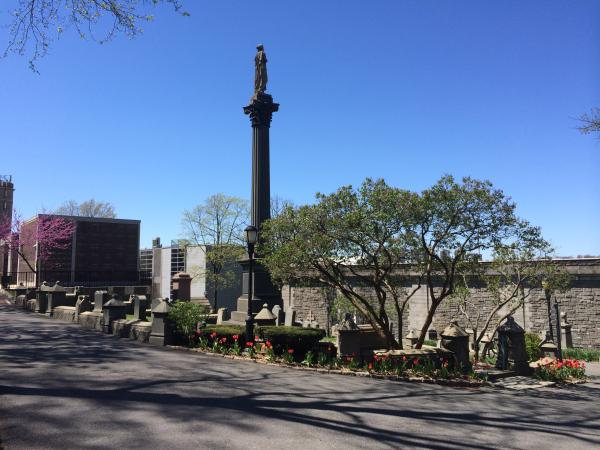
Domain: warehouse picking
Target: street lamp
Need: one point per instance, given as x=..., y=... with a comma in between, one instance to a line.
x=251, y=239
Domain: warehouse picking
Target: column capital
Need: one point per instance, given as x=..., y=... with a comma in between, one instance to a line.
x=261, y=109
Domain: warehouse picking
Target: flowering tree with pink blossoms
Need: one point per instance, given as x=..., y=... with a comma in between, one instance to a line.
x=47, y=234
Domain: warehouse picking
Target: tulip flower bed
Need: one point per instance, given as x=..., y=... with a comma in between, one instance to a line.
x=564, y=370
x=300, y=348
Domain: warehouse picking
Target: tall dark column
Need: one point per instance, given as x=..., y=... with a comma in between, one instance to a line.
x=260, y=110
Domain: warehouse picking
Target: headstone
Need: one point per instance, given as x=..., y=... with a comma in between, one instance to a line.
x=456, y=339
x=223, y=315
x=182, y=283
x=114, y=309
x=140, y=303
x=566, y=335
x=279, y=315
x=41, y=299
x=100, y=298
x=161, y=329
x=290, y=317
x=83, y=304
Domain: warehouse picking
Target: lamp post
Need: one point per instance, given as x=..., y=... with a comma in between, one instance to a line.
x=251, y=239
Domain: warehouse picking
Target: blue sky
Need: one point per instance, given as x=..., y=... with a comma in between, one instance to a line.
x=404, y=90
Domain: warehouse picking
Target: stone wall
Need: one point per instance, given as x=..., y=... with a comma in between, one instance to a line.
x=581, y=303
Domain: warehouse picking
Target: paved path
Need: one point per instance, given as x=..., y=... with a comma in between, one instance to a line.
x=63, y=387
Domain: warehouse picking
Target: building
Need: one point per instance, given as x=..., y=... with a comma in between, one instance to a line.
x=6, y=208
x=181, y=257
x=100, y=252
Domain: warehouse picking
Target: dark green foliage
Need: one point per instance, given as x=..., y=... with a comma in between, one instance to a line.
x=532, y=345
x=227, y=331
x=185, y=316
x=585, y=354
x=301, y=340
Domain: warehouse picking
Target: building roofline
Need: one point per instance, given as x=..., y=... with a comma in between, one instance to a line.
x=88, y=219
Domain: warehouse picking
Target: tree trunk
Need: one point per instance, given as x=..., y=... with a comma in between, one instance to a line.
x=428, y=320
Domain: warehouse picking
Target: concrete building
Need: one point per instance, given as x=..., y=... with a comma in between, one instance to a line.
x=6, y=208
x=180, y=257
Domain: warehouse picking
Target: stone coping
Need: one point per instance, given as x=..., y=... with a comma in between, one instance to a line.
x=425, y=351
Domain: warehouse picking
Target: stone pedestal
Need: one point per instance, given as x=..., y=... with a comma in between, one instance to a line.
x=264, y=291
x=57, y=296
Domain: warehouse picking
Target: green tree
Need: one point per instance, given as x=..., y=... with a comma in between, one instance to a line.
x=456, y=222
x=515, y=272
x=217, y=226
x=35, y=24
x=351, y=240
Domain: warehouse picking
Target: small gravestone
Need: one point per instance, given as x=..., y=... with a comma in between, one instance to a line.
x=223, y=315
x=82, y=304
x=161, y=330
x=290, y=317
x=140, y=303
x=100, y=298
x=566, y=334
x=279, y=316
x=41, y=298
x=114, y=309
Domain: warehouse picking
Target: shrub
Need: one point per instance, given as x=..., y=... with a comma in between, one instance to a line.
x=224, y=331
x=185, y=316
x=532, y=346
x=584, y=354
x=283, y=338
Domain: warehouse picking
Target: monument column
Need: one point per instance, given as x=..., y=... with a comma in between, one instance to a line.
x=260, y=110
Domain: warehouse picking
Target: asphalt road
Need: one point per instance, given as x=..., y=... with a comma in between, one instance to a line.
x=63, y=387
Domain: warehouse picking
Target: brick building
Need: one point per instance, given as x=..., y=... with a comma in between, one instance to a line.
x=101, y=251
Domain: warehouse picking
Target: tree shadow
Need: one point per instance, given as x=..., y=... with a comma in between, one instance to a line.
x=70, y=370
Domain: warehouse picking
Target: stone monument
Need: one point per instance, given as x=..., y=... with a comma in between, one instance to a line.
x=260, y=110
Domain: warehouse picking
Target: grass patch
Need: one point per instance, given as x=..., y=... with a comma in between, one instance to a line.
x=130, y=317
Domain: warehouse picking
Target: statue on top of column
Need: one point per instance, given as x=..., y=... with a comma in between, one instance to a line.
x=260, y=73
